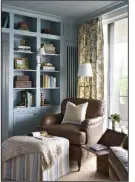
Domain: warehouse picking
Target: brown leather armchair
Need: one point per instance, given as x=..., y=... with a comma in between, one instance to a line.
x=88, y=132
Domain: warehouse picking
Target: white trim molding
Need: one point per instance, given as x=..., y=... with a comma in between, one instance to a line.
x=102, y=11
x=115, y=15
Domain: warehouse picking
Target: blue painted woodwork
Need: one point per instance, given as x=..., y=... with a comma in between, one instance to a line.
x=23, y=120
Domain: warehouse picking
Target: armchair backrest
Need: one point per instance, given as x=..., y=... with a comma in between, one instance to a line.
x=95, y=107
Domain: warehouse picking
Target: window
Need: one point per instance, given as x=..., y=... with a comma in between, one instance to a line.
x=116, y=71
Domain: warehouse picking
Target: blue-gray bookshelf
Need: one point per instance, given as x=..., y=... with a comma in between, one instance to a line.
x=40, y=31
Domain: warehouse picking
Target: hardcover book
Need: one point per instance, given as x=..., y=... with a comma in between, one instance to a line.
x=98, y=147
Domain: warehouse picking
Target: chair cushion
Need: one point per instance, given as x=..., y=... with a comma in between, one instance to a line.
x=71, y=132
x=118, y=159
x=75, y=114
x=95, y=107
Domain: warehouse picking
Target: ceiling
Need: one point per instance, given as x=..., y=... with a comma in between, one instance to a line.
x=64, y=9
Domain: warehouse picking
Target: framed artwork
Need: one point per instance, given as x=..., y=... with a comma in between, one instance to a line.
x=21, y=63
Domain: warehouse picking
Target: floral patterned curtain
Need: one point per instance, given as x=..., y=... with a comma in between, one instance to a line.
x=90, y=50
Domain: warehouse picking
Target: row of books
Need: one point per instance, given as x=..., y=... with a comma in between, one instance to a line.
x=27, y=99
x=48, y=81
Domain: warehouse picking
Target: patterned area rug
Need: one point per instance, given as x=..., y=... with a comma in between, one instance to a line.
x=87, y=173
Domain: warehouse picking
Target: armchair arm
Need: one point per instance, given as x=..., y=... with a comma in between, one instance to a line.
x=46, y=121
x=93, y=128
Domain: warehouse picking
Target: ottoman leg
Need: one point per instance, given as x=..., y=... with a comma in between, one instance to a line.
x=79, y=165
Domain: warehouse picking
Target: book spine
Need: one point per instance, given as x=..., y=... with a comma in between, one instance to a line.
x=46, y=81
x=30, y=98
x=54, y=82
x=43, y=81
x=49, y=80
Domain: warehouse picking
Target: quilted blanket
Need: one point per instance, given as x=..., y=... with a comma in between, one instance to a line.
x=48, y=148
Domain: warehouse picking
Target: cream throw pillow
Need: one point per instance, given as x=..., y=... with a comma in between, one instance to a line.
x=75, y=114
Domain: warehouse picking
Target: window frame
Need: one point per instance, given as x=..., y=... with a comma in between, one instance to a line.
x=110, y=49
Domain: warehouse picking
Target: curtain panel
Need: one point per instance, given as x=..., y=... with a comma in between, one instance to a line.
x=90, y=50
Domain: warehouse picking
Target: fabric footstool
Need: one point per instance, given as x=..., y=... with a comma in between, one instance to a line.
x=28, y=167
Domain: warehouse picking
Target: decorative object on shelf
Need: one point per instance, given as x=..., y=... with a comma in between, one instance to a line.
x=22, y=78
x=49, y=48
x=23, y=84
x=22, y=42
x=114, y=118
x=41, y=99
x=85, y=70
x=23, y=98
x=21, y=63
x=23, y=26
x=47, y=66
x=23, y=47
x=48, y=81
x=41, y=52
x=47, y=31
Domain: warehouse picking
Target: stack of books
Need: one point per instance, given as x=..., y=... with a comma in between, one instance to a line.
x=49, y=68
x=23, y=49
x=48, y=81
x=98, y=147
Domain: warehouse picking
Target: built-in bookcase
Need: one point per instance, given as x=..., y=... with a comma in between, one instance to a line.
x=34, y=37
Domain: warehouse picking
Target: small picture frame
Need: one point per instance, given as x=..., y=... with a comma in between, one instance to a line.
x=21, y=63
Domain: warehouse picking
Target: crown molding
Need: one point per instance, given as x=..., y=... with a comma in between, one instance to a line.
x=117, y=14
x=35, y=14
x=103, y=11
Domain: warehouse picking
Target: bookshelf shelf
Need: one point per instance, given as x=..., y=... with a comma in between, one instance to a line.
x=24, y=52
x=48, y=54
x=5, y=30
x=45, y=71
x=25, y=33
x=47, y=36
x=23, y=108
x=24, y=88
x=23, y=70
x=50, y=88
x=49, y=105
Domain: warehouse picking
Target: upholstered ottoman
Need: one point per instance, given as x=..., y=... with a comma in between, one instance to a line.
x=118, y=164
x=28, y=167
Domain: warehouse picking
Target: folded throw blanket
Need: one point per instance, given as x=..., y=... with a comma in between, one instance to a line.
x=49, y=148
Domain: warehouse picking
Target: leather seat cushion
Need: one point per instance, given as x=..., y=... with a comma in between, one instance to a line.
x=118, y=158
x=69, y=131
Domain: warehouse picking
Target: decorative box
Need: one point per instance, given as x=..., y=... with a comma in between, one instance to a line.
x=49, y=68
x=49, y=48
x=23, y=84
x=22, y=78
